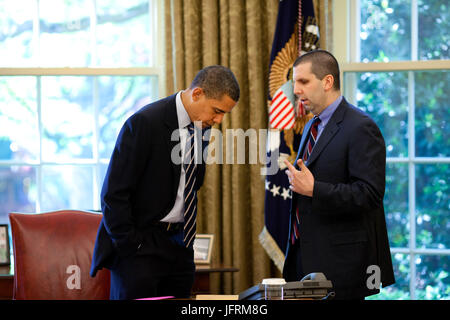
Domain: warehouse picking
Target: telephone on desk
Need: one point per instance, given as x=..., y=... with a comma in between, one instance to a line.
x=312, y=286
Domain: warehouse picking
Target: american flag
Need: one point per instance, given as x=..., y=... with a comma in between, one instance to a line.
x=293, y=15
x=281, y=110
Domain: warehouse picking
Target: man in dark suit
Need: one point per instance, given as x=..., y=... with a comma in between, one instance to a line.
x=147, y=231
x=337, y=217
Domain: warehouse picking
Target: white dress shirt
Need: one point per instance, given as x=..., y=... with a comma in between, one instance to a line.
x=177, y=212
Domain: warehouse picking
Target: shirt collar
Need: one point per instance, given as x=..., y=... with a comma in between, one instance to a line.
x=326, y=114
x=183, y=117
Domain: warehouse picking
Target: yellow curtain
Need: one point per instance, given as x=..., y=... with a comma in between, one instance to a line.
x=322, y=11
x=237, y=34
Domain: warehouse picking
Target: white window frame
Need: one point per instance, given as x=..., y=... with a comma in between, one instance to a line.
x=156, y=10
x=346, y=23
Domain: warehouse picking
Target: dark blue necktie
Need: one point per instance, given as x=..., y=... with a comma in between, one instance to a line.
x=190, y=195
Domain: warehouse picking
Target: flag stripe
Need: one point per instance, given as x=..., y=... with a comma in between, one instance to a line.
x=279, y=105
x=287, y=119
x=289, y=123
x=275, y=102
x=282, y=112
x=287, y=114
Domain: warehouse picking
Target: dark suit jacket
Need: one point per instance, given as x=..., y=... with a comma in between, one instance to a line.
x=342, y=227
x=141, y=182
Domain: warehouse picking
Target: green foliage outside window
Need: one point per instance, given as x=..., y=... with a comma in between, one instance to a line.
x=386, y=35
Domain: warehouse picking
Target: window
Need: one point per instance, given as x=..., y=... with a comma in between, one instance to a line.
x=71, y=73
x=397, y=68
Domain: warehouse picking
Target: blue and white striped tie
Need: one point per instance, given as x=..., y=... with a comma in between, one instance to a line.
x=190, y=195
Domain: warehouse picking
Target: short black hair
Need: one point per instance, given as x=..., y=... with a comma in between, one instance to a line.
x=216, y=81
x=322, y=63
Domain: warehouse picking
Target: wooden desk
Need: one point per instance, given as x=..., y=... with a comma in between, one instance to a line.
x=202, y=276
x=201, y=283
x=6, y=282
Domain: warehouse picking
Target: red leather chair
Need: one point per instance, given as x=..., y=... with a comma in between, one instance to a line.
x=52, y=256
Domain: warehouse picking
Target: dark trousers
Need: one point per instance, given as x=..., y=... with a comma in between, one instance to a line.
x=164, y=267
x=293, y=270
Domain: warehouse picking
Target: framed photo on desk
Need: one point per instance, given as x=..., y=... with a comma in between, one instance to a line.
x=203, y=248
x=4, y=245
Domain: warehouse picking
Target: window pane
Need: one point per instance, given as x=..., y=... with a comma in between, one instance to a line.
x=433, y=281
x=433, y=206
x=432, y=113
x=16, y=33
x=17, y=191
x=19, y=134
x=434, y=23
x=67, y=187
x=123, y=33
x=396, y=204
x=67, y=118
x=119, y=98
x=385, y=30
x=399, y=290
x=384, y=96
x=65, y=33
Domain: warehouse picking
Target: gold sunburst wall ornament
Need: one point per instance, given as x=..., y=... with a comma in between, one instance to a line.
x=282, y=64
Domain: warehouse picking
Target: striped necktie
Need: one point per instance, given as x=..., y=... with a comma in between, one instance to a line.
x=190, y=195
x=312, y=138
x=308, y=149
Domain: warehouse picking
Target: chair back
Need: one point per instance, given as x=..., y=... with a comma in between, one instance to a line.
x=53, y=254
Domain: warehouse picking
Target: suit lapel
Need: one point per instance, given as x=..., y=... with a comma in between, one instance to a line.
x=329, y=132
x=171, y=124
